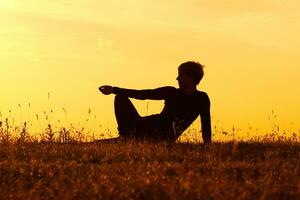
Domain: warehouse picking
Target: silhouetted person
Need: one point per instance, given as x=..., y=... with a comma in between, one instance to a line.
x=182, y=106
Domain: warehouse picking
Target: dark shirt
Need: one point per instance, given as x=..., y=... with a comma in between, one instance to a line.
x=179, y=111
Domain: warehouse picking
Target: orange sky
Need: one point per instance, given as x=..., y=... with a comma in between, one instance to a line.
x=69, y=48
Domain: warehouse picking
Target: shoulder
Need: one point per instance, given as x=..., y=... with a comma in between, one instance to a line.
x=203, y=96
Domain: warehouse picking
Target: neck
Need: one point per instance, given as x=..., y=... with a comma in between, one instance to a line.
x=189, y=91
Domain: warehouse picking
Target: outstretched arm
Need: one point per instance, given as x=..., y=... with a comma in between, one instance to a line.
x=206, y=121
x=155, y=94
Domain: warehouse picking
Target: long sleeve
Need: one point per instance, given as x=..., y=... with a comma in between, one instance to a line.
x=154, y=94
x=206, y=120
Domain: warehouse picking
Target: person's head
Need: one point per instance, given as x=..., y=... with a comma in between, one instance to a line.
x=190, y=74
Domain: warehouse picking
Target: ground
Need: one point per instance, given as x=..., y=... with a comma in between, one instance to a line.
x=142, y=170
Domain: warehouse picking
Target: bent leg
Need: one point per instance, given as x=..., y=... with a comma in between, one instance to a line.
x=126, y=115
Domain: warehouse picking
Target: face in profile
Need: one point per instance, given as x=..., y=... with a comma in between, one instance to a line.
x=184, y=80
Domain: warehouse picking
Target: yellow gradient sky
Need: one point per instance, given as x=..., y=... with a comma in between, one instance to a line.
x=69, y=48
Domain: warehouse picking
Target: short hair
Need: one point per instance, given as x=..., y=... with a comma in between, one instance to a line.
x=193, y=69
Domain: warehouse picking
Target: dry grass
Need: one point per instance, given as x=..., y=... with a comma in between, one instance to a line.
x=59, y=164
x=141, y=170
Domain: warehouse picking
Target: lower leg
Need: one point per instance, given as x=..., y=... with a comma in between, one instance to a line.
x=126, y=115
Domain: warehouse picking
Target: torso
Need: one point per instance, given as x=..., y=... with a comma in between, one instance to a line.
x=179, y=112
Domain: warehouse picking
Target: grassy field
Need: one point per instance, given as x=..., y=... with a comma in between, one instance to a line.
x=142, y=170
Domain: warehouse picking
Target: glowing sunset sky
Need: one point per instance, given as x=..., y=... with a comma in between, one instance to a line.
x=69, y=48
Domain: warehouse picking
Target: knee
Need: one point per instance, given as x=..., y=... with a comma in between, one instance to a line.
x=120, y=98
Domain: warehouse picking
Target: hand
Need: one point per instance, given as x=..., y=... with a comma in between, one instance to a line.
x=106, y=89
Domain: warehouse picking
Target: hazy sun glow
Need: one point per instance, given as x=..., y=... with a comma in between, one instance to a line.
x=69, y=48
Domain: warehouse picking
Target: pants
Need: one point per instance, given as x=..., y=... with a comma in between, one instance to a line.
x=132, y=125
x=127, y=117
